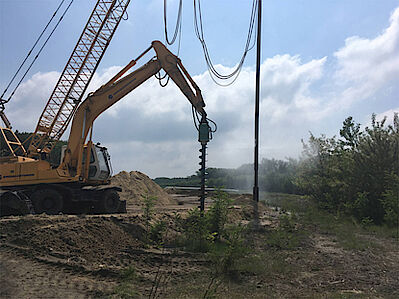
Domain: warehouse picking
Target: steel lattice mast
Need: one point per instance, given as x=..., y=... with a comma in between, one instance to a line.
x=77, y=74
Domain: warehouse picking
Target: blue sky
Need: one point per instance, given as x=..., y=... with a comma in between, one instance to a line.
x=321, y=62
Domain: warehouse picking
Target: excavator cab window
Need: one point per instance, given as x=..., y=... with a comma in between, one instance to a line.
x=99, y=168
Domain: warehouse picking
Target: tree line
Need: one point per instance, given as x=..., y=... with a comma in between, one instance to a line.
x=356, y=173
x=274, y=176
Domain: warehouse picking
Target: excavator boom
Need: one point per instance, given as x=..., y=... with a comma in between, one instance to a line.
x=114, y=90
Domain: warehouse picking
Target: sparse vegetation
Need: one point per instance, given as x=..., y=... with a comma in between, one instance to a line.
x=306, y=250
x=347, y=230
x=126, y=289
x=195, y=234
x=148, y=211
x=218, y=213
x=286, y=235
x=225, y=255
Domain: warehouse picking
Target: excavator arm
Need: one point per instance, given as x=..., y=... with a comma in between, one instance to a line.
x=118, y=87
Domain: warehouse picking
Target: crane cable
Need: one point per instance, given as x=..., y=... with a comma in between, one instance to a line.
x=40, y=50
x=178, y=22
x=177, y=33
x=34, y=45
x=120, y=3
x=199, y=31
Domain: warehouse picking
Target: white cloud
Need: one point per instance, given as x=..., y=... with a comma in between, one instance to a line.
x=153, y=125
x=389, y=114
x=30, y=99
x=367, y=65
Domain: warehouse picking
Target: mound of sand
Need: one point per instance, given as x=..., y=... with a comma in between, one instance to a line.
x=136, y=186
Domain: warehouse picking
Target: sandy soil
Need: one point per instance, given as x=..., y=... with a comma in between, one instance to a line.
x=67, y=256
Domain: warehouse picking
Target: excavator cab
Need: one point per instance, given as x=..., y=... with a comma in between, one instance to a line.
x=100, y=164
x=100, y=168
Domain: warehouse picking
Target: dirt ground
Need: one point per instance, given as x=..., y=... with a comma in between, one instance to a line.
x=67, y=256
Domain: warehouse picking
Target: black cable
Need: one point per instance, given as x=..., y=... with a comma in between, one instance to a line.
x=178, y=23
x=166, y=83
x=216, y=127
x=199, y=31
x=177, y=33
x=193, y=112
x=37, y=55
x=30, y=52
x=179, y=43
x=160, y=78
x=127, y=16
x=120, y=3
x=247, y=48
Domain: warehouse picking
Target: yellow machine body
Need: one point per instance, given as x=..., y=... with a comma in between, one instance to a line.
x=18, y=171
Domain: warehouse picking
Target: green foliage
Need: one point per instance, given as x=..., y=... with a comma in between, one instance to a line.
x=195, y=232
x=226, y=255
x=157, y=232
x=349, y=175
x=190, y=181
x=148, y=211
x=126, y=289
x=128, y=274
x=218, y=212
x=307, y=216
x=286, y=236
x=390, y=201
x=225, y=258
x=265, y=263
x=24, y=138
x=200, y=230
x=148, y=208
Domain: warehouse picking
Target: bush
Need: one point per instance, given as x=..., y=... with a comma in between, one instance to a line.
x=148, y=211
x=195, y=232
x=225, y=256
x=348, y=175
x=201, y=229
x=217, y=214
x=157, y=232
x=390, y=202
x=126, y=289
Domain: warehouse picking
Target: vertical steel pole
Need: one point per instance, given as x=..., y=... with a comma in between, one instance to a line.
x=257, y=96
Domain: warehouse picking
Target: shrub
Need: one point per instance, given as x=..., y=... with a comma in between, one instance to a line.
x=217, y=214
x=157, y=232
x=195, y=233
x=390, y=201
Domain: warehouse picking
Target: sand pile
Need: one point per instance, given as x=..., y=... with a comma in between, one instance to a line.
x=86, y=241
x=136, y=186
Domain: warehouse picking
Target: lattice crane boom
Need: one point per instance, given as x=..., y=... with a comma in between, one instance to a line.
x=77, y=74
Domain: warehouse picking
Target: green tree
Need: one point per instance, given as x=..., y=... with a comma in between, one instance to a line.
x=350, y=174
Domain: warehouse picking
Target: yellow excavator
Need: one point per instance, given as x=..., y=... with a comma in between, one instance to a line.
x=80, y=184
